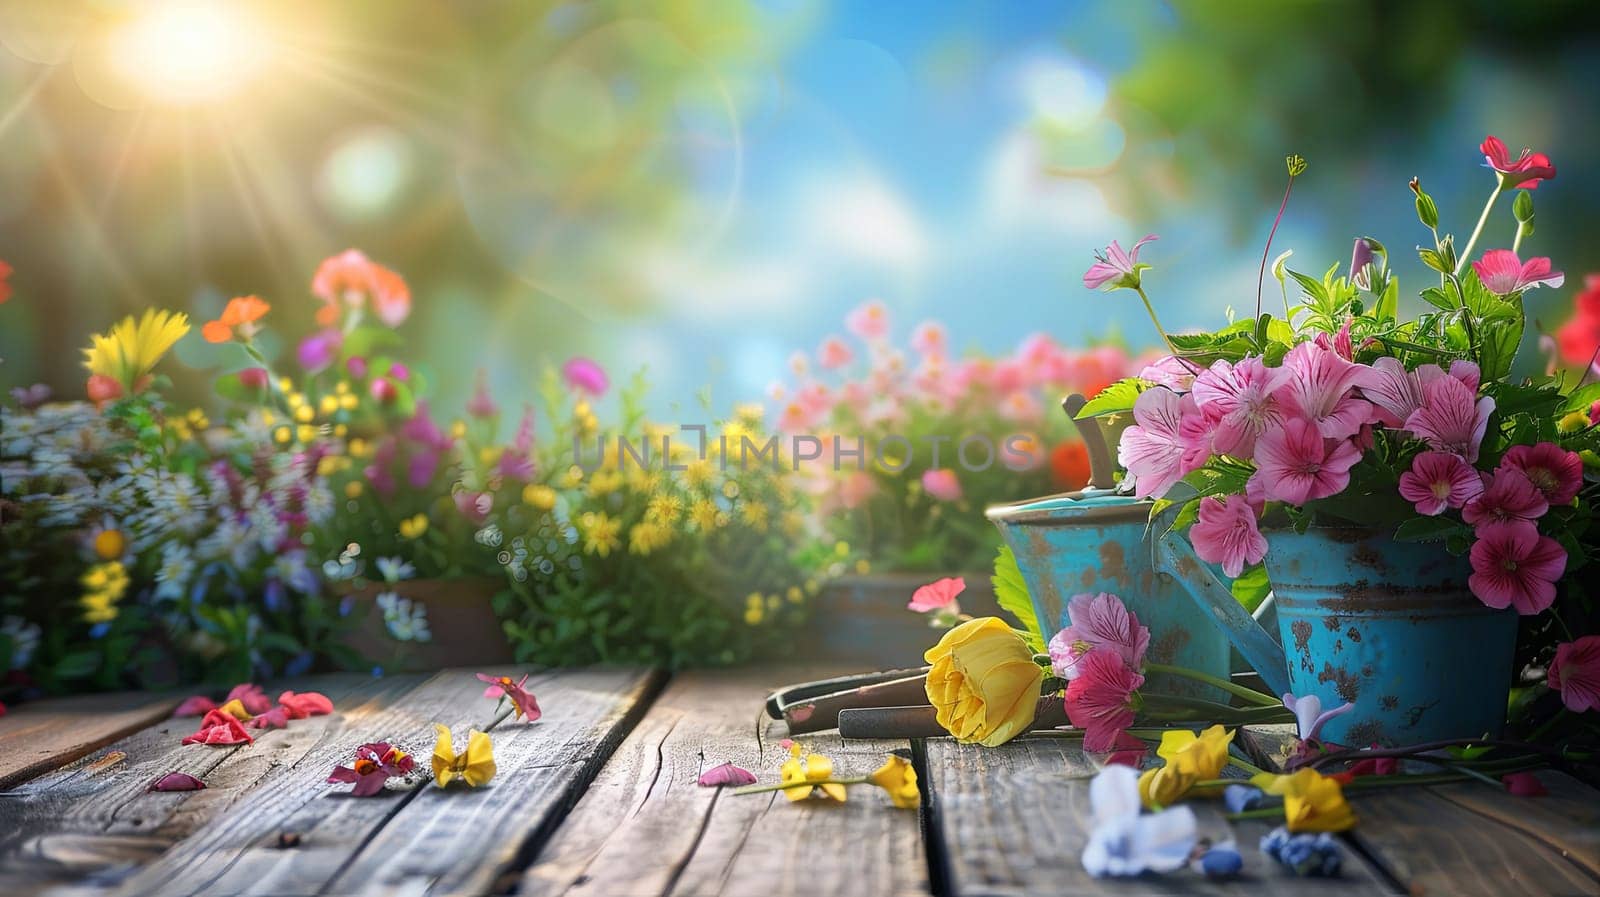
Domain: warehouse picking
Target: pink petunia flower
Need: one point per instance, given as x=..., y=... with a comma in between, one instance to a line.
x=474, y=506
x=1296, y=464
x=1318, y=385
x=1116, y=267
x=1525, y=171
x=1556, y=472
x=1449, y=420
x=938, y=595
x=1514, y=566
x=1503, y=273
x=1170, y=371
x=1100, y=700
x=586, y=376
x=1575, y=673
x=1098, y=622
x=1155, y=448
x=1508, y=495
x=833, y=354
x=375, y=763
x=1439, y=480
x=942, y=483
x=522, y=701
x=1309, y=716
x=868, y=321
x=1226, y=534
x=1241, y=395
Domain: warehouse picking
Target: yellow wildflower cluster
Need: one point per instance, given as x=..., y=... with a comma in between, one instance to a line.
x=647, y=536
x=601, y=533
x=103, y=586
x=413, y=527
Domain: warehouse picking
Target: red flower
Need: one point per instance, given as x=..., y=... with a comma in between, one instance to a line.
x=1100, y=701
x=1525, y=171
x=1069, y=464
x=5, y=293
x=1524, y=784
x=1579, y=337
x=300, y=706
x=1575, y=673
x=219, y=728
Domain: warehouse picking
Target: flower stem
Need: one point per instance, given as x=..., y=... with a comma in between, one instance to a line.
x=1261, y=276
x=1263, y=813
x=783, y=786
x=1466, y=251
x=1516, y=242
x=1249, y=694
x=1154, y=320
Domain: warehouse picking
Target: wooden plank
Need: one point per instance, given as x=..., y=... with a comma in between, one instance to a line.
x=1013, y=820
x=296, y=834
x=646, y=828
x=77, y=822
x=444, y=843
x=37, y=737
x=1469, y=838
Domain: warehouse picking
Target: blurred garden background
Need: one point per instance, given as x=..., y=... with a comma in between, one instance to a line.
x=701, y=188
x=354, y=276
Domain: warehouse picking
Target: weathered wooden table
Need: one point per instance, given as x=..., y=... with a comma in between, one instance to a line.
x=600, y=797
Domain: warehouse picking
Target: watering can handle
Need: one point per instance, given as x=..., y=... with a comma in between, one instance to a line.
x=1100, y=467
x=1176, y=558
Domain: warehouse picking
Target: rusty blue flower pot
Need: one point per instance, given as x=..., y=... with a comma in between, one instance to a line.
x=1388, y=626
x=1095, y=541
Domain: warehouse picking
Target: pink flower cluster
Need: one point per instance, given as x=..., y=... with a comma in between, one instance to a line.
x=1100, y=655
x=863, y=380
x=1305, y=424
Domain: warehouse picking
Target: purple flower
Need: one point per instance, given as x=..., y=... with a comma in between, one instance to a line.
x=585, y=376
x=1098, y=621
x=31, y=397
x=319, y=350
x=1116, y=267
x=1309, y=715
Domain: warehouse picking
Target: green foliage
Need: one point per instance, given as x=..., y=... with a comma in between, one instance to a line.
x=1117, y=398
x=1011, y=592
x=1251, y=586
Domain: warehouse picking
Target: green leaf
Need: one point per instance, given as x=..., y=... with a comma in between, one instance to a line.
x=1522, y=206
x=1428, y=529
x=1011, y=592
x=1433, y=260
x=366, y=339
x=1428, y=210
x=1118, y=398
x=78, y=664
x=1439, y=298
x=1251, y=587
x=1581, y=398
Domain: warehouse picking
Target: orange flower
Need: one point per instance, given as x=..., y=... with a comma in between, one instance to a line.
x=238, y=319
x=351, y=279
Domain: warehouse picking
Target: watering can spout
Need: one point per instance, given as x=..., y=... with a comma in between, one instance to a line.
x=1175, y=557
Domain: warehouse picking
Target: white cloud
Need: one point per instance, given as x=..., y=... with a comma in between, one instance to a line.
x=863, y=217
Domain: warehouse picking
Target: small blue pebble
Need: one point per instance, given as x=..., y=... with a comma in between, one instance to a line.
x=1221, y=862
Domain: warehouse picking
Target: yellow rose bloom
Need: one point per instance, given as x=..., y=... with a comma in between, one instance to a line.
x=1312, y=802
x=984, y=684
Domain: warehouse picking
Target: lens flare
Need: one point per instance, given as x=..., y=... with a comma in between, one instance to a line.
x=186, y=53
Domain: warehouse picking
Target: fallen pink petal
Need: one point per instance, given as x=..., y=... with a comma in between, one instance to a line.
x=726, y=774
x=1524, y=784
x=177, y=781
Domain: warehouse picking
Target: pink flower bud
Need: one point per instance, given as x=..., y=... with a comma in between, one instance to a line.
x=254, y=378
x=399, y=372
x=384, y=391
x=356, y=366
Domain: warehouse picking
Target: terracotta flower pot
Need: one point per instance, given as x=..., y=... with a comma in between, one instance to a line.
x=863, y=618
x=461, y=617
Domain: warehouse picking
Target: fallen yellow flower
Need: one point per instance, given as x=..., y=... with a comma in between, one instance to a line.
x=1312, y=802
x=984, y=685
x=475, y=765
x=898, y=778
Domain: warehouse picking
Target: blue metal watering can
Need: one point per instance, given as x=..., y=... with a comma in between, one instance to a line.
x=1388, y=626
x=1096, y=541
